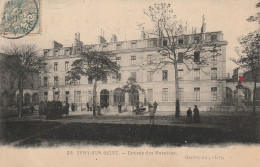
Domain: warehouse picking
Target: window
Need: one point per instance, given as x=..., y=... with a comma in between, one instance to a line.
x=66, y=65
x=56, y=80
x=45, y=81
x=149, y=76
x=67, y=52
x=45, y=53
x=150, y=59
x=196, y=94
x=90, y=80
x=55, y=53
x=196, y=39
x=164, y=56
x=118, y=77
x=76, y=82
x=180, y=57
x=165, y=94
x=45, y=96
x=213, y=38
x=165, y=75
x=118, y=60
x=119, y=96
x=104, y=80
x=164, y=42
x=67, y=80
x=214, y=94
x=214, y=57
x=180, y=74
x=150, y=95
x=133, y=60
x=197, y=74
x=31, y=85
x=213, y=73
x=133, y=75
x=118, y=46
x=180, y=41
x=78, y=96
x=181, y=94
x=55, y=66
x=196, y=56
x=56, y=96
x=133, y=45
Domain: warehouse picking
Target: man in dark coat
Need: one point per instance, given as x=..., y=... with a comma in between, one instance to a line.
x=196, y=115
x=155, y=104
x=189, y=116
x=119, y=107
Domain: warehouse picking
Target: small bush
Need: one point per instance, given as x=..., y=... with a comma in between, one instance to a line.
x=228, y=102
x=54, y=110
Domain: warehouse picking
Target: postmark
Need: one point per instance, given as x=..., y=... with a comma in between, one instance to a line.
x=20, y=18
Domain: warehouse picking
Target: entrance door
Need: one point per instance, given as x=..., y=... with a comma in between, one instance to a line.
x=104, y=98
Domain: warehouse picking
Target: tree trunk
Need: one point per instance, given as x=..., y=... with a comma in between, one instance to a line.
x=254, y=95
x=20, y=98
x=177, y=110
x=94, y=97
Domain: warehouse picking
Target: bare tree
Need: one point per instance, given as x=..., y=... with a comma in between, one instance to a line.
x=167, y=28
x=96, y=66
x=20, y=62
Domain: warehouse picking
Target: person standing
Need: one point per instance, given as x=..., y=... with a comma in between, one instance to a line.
x=119, y=107
x=189, y=116
x=155, y=104
x=151, y=114
x=88, y=106
x=196, y=115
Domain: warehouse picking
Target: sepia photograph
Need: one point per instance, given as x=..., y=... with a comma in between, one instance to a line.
x=129, y=83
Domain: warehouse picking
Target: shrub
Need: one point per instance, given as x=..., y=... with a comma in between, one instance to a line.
x=54, y=110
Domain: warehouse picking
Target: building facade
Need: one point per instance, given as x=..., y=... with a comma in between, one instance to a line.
x=204, y=86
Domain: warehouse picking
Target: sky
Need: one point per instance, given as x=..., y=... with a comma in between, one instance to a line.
x=61, y=19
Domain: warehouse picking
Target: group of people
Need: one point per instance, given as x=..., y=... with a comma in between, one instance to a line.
x=196, y=115
x=152, y=111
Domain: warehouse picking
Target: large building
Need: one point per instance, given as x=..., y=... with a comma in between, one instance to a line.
x=203, y=85
x=9, y=93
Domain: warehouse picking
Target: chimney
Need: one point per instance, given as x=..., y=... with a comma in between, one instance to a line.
x=77, y=41
x=114, y=38
x=203, y=27
x=101, y=40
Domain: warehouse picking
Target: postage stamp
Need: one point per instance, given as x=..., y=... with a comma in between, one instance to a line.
x=20, y=18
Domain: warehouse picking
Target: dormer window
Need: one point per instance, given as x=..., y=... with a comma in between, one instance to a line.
x=133, y=45
x=213, y=37
x=164, y=42
x=196, y=39
x=180, y=41
x=118, y=46
x=67, y=52
x=45, y=53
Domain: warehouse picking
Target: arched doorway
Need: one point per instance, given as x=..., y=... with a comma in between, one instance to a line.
x=134, y=98
x=119, y=96
x=35, y=99
x=27, y=98
x=104, y=98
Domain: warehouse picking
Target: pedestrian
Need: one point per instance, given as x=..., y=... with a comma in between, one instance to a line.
x=98, y=109
x=151, y=114
x=189, y=116
x=67, y=109
x=155, y=104
x=196, y=115
x=88, y=106
x=149, y=106
x=119, y=107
